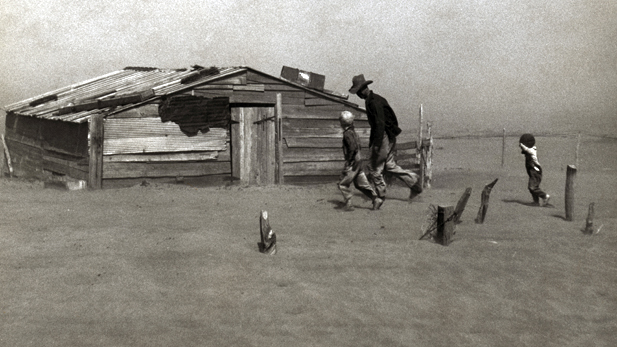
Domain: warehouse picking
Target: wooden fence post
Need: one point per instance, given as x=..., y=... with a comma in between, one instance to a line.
x=279, y=139
x=7, y=156
x=445, y=224
x=267, y=235
x=484, y=202
x=429, y=158
x=95, y=164
x=570, y=177
x=460, y=206
x=503, y=147
x=420, y=148
x=589, y=222
x=578, y=146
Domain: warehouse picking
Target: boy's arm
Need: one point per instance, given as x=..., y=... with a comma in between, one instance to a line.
x=525, y=148
x=349, y=146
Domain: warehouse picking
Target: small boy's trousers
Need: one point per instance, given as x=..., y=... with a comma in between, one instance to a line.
x=354, y=174
x=535, y=178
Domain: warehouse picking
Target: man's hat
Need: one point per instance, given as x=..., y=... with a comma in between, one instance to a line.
x=358, y=82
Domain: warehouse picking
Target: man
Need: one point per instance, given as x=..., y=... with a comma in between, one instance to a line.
x=382, y=141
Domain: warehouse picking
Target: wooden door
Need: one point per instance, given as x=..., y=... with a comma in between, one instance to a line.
x=253, y=145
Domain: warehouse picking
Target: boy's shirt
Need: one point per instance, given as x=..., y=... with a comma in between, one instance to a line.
x=531, y=157
x=351, y=145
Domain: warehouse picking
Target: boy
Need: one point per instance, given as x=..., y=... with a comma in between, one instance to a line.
x=352, y=172
x=534, y=170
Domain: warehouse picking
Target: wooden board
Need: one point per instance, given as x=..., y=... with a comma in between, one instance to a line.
x=174, y=169
x=213, y=87
x=321, y=123
x=321, y=142
x=254, y=77
x=320, y=132
x=77, y=170
x=247, y=97
x=320, y=112
x=313, y=154
x=237, y=79
x=281, y=88
x=313, y=168
x=249, y=87
x=135, y=128
x=165, y=157
x=319, y=102
x=163, y=144
x=145, y=111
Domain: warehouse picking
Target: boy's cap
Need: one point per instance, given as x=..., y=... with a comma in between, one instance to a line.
x=528, y=140
x=346, y=118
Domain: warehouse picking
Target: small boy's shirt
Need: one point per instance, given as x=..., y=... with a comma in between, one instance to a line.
x=531, y=157
x=351, y=145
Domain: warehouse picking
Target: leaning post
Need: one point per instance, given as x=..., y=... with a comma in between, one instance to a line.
x=460, y=206
x=7, y=156
x=570, y=177
x=486, y=193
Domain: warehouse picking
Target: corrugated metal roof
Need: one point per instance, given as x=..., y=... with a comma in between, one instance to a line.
x=151, y=82
x=78, y=102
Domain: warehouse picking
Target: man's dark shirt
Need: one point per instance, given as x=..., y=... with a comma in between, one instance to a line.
x=381, y=118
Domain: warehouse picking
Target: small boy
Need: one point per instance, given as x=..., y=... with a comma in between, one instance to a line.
x=352, y=172
x=534, y=170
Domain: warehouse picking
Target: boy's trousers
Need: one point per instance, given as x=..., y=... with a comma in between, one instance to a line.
x=535, y=178
x=384, y=160
x=354, y=174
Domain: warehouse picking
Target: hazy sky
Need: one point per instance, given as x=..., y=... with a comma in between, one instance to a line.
x=476, y=66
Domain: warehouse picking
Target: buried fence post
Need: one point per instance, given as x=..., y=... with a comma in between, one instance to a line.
x=503, y=147
x=589, y=222
x=445, y=224
x=460, y=206
x=486, y=192
x=570, y=176
x=268, y=237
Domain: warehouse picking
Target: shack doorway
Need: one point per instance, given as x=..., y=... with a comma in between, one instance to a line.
x=253, y=145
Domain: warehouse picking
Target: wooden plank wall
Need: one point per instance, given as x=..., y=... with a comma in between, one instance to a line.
x=137, y=144
x=39, y=147
x=312, y=136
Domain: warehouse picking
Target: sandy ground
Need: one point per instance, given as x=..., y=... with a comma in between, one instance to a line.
x=175, y=265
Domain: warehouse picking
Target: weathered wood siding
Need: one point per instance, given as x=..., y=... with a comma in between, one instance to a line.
x=137, y=144
x=40, y=146
x=312, y=136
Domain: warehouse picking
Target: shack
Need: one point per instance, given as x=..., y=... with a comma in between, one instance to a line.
x=215, y=125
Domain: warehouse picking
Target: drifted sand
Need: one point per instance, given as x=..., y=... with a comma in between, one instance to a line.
x=175, y=265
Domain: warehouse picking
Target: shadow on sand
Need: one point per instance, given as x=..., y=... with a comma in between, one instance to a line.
x=338, y=205
x=516, y=201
